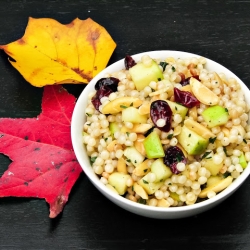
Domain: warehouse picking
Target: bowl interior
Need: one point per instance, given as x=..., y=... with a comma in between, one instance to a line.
x=78, y=120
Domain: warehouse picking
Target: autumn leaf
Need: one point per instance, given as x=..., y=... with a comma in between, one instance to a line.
x=52, y=53
x=43, y=162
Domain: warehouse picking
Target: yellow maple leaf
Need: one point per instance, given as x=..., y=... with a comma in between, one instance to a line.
x=52, y=53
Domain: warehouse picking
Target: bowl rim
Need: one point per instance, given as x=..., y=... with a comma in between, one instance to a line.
x=80, y=152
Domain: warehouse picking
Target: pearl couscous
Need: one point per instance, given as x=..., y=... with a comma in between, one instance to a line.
x=120, y=150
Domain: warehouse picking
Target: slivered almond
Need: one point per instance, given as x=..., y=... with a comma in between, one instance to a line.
x=177, y=130
x=143, y=168
x=111, y=146
x=203, y=93
x=117, y=105
x=221, y=185
x=138, y=144
x=218, y=79
x=111, y=188
x=121, y=166
x=144, y=109
x=140, y=191
x=187, y=88
x=225, y=131
x=163, y=203
x=137, y=128
x=198, y=128
x=159, y=91
x=240, y=129
x=141, y=128
x=193, y=113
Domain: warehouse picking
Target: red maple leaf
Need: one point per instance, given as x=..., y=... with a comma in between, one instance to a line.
x=43, y=161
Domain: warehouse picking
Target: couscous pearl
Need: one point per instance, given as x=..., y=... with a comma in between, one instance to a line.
x=193, y=167
x=182, y=179
x=109, y=168
x=210, y=194
x=160, y=123
x=104, y=155
x=104, y=123
x=174, y=178
x=190, y=196
x=177, y=118
x=182, y=197
x=170, y=200
x=129, y=182
x=132, y=136
x=122, y=139
x=129, y=125
x=195, y=185
x=159, y=194
x=202, y=171
x=153, y=202
x=173, y=188
x=92, y=142
x=166, y=194
x=104, y=180
x=231, y=168
x=181, y=166
x=180, y=191
x=151, y=177
x=235, y=174
x=188, y=183
x=119, y=153
x=202, y=180
x=173, y=142
x=168, y=182
x=217, y=159
x=128, y=143
x=238, y=168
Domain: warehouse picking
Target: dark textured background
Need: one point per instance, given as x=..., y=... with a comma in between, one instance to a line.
x=219, y=30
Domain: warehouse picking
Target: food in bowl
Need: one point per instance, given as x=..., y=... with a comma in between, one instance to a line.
x=167, y=132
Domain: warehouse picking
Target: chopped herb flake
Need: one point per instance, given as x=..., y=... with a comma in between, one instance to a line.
x=189, y=135
x=226, y=174
x=92, y=160
x=128, y=160
x=225, y=151
x=89, y=115
x=159, y=79
x=179, y=157
x=226, y=109
x=212, y=140
x=145, y=170
x=173, y=68
x=163, y=64
x=245, y=141
x=170, y=136
x=142, y=201
x=123, y=106
x=144, y=181
x=206, y=154
x=131, y=104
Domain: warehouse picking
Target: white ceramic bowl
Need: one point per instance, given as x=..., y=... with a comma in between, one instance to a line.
x=79, y=118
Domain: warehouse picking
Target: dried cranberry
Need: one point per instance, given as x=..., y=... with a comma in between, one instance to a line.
x=110, y=82
x=160, y=110
x=185, y=82
x=173, y=156
x=96, y=99
x=185, y=98
x=129, y=62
